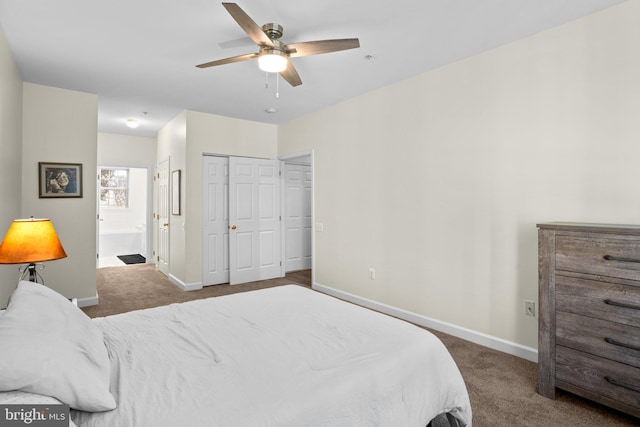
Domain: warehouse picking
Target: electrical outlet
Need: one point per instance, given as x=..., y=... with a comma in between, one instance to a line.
x=530, y=308
x=372, y=274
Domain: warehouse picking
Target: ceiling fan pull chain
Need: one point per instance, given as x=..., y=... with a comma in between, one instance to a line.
x=266, y=80
x=277, y=86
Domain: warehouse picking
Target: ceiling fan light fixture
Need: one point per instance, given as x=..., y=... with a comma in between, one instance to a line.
x=273, y=62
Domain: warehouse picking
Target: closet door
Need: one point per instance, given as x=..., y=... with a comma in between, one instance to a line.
x=215, y=224
x=254, y=220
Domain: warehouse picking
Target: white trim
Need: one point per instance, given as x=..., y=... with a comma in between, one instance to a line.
x=303, y=153
x=86, y=302
x=280, y=196
x=281, y=214
x=524, y=352
x=313, y=216
x=185, y=287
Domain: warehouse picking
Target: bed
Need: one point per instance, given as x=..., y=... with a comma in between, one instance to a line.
x=283, y=356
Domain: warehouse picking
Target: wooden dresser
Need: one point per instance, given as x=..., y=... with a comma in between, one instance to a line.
x=589, y=312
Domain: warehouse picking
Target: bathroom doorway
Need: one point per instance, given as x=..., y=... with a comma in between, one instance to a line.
x=122, y=225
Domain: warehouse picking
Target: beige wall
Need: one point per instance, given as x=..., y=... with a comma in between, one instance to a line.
x=126, y=150
x=438, y=182
x=61, y=126
x=10, y=159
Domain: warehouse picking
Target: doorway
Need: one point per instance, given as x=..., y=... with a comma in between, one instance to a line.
x=123, y=213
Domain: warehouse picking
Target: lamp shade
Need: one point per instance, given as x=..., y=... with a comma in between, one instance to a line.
x=30, y=241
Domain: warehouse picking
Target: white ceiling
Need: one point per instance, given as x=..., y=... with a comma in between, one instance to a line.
x=140, y=55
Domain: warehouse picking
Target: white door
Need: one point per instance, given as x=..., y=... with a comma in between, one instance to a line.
x=215, y=221
x=163, y=217
x=298, y=217
x=254, y=220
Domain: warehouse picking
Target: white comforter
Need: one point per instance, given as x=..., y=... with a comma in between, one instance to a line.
x=284, y=356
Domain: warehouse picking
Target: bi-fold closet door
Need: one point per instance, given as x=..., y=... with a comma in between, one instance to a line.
x=241, y=220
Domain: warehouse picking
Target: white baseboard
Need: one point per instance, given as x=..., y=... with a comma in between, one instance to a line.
x=524, y=352
x=184, y=286
x=86, y=302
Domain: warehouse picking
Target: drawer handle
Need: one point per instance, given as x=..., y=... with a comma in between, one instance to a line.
x=613, y=381
x=621, y=344
x=621, y=304
x=615, y=258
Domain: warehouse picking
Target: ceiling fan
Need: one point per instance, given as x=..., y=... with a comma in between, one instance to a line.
x=274, y=55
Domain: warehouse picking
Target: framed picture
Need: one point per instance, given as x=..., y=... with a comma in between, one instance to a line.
x=175, y=192
x=59, y=180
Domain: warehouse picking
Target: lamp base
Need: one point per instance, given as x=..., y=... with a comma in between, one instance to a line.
x=29, y=272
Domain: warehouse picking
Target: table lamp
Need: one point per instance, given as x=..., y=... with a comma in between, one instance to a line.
x=30, y=241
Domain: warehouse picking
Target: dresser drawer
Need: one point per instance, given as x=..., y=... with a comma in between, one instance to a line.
x=603, y=377
x=599, y=337
x=603, y=300
x=612, y=257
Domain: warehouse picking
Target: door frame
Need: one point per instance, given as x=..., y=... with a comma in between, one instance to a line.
x=290, y=157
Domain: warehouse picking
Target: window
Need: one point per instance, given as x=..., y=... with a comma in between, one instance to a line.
x=114, y=188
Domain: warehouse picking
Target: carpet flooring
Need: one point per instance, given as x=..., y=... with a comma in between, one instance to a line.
x=137, y=286
x=502, y=388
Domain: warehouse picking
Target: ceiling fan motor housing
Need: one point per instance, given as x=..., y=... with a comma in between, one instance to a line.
x=277, y=49
x=273, y=31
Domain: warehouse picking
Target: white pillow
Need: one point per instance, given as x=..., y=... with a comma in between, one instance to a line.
x=50, y=347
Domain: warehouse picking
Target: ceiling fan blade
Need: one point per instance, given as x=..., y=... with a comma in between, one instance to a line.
x=320, y=46
x=249, y=26
x=291, y=75
x=231, y=60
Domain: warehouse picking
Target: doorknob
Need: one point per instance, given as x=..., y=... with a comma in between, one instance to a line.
x=233, y=227
x=166, y=224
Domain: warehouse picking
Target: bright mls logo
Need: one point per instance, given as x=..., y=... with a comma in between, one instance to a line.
x=34, y=415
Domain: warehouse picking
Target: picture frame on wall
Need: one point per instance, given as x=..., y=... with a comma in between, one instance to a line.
x=175, y=192
x=59, y=180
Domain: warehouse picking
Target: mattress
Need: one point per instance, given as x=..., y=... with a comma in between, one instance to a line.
x=284, y=356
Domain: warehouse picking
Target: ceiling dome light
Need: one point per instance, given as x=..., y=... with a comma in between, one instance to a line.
x=132, y=123
x=272, y=62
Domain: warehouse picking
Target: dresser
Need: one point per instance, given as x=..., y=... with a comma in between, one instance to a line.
x=589, y=312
